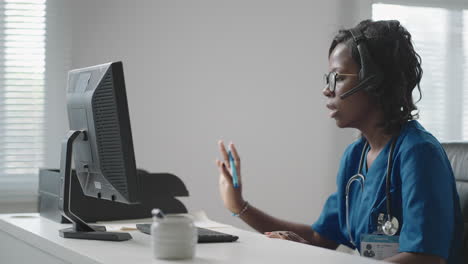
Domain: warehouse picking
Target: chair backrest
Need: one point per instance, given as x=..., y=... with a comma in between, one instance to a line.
x=457, y=153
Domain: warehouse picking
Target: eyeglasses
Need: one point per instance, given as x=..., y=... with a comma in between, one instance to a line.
x=331, y=78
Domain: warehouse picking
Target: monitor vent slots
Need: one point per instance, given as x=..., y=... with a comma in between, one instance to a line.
x=108, y=132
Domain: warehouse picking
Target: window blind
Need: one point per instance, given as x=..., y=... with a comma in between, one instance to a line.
x=465, y=75
x=22, y=95
x=440, y=37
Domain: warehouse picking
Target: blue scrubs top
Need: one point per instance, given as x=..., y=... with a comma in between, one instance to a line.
x=424, y=197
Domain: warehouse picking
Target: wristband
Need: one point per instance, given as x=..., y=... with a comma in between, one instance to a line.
x=246, y=206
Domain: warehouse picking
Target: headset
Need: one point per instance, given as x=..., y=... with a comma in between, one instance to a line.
x=370, y=75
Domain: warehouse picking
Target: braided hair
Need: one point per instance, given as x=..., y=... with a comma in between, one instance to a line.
x=391, y=49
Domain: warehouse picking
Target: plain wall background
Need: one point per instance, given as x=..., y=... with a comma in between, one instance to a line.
x=247, y=71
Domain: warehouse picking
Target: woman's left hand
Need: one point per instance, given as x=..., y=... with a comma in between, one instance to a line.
x=286, y=235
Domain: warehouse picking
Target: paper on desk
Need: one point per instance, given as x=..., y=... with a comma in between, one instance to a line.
x=200, y=219
x=121, y=228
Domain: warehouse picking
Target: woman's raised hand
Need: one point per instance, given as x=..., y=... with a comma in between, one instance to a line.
x=232, y=197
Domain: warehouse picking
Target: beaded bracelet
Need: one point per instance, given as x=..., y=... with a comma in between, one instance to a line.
x=246, y=206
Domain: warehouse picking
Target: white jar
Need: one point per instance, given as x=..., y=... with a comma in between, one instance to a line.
x=174, y=237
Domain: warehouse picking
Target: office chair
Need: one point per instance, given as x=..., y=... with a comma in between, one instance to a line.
x=457, y=153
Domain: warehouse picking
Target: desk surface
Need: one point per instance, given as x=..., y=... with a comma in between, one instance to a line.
x=42, y=234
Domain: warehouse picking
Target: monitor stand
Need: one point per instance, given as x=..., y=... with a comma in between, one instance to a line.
x=80, y=229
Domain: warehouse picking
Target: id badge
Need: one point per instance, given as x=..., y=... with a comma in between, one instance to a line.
x=379, y=246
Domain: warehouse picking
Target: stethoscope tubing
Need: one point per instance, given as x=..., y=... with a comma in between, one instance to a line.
x=361, y=179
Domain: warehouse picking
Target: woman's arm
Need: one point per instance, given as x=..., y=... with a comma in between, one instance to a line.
x=257, y=219
x=263, y=223
x=415, y=258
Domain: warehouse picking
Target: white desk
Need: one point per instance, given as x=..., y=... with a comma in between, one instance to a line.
x=34, y=239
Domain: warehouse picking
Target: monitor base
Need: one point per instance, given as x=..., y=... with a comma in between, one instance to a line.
x=94, y=235
x=80, y=229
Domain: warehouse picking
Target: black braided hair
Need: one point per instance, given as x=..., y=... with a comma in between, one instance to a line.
x=391, y=48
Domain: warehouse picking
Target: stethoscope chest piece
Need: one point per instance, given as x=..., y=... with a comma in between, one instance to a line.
x=390, y=227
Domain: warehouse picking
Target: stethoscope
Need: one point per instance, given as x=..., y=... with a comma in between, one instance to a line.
x=391, y=224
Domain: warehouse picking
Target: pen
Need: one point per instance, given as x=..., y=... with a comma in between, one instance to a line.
x=235, y=180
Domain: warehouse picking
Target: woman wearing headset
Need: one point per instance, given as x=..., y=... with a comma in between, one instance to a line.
x=395, y=180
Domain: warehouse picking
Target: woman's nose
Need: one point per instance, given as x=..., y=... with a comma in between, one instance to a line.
x=326, y=91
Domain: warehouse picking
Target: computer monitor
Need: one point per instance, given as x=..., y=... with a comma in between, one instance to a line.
x=100, y=144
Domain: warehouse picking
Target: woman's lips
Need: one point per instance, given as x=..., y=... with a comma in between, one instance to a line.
x=333, y=109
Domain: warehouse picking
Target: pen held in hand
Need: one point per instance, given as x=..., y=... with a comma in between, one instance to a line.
x=235, y=179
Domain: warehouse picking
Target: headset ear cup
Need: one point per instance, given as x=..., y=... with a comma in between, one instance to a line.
x=373, y=83
x=377, y=82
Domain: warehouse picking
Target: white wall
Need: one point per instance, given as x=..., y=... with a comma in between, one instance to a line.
x=249, y=71
x=58, y=63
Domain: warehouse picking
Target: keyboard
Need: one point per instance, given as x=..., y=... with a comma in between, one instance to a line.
x=204, y=235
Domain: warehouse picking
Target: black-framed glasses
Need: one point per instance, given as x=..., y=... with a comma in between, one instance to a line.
x=331, y=77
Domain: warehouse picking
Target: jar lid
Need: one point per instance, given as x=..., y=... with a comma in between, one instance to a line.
x=176, y=218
